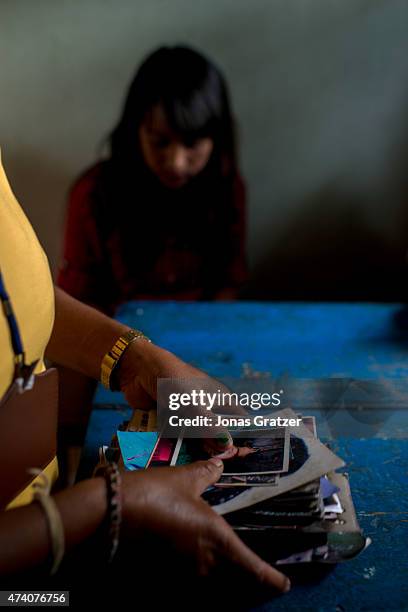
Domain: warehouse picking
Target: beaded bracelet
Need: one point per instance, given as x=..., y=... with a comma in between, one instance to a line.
x=110, y=472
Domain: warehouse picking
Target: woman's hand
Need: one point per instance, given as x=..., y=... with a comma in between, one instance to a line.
x=166, y=502
x=144, y=363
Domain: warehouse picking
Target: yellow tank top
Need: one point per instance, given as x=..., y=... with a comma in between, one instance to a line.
x=28, y=281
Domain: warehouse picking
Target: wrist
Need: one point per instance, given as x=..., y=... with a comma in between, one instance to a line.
x=134, y=502
x=134, y=361
x=112, y=359
x=83, y=509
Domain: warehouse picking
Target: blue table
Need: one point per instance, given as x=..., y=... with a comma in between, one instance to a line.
x=308, y=341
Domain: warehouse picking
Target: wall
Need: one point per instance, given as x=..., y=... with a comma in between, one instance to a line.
x=320, y=88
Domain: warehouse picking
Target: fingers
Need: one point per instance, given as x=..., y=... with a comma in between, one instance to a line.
x=222, y=445
x=228, y=454
x=137, y=397
x=223, y=439
x=234, y=550
x=201, y=474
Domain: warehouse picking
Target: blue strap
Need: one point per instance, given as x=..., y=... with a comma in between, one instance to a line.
x=23, y=374
x=12, y=323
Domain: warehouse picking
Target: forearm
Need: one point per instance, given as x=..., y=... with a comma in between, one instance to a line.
x=81, y=335
x=24, y=536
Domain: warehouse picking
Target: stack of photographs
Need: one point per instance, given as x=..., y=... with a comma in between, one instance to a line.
x=281, y=494
x=280, y=491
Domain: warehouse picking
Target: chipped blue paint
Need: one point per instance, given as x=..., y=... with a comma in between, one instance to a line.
x=308, y=340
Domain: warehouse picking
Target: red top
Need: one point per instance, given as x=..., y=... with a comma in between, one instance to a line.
x=152, y=243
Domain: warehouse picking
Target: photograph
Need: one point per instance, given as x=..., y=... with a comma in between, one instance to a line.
x=245, y=480
x=260, y=455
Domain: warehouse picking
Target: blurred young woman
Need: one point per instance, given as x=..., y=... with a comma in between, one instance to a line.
x=164, y=216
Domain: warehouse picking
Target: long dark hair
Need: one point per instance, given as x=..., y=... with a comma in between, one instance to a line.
x=194, y=96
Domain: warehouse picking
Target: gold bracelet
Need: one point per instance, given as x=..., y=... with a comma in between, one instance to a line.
x=111, y=359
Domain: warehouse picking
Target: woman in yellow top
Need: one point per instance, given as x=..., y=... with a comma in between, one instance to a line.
x=163, y=504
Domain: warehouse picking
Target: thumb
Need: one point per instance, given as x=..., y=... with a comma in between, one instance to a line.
x=201, y=474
